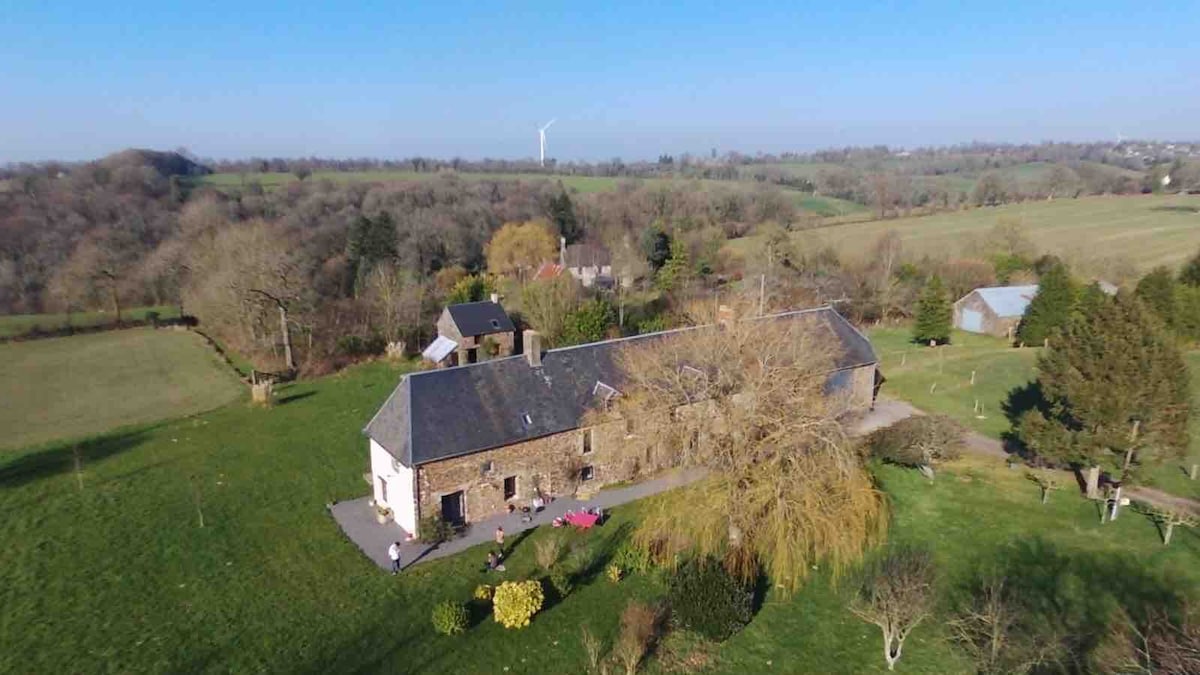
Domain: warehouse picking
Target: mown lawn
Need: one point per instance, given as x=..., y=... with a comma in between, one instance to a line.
x=939, y=380
x=19, y=324
x=110, y=570
x=60, y=388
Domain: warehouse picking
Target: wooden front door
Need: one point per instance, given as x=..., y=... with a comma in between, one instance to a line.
x=452, y=508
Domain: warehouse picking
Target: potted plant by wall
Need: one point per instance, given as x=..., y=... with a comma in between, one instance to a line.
x=383, y=515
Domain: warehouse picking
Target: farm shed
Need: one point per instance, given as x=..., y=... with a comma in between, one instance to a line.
x=993, y=311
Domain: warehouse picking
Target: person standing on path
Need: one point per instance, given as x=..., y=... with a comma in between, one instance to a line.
x=500, y=540
x=394, y=554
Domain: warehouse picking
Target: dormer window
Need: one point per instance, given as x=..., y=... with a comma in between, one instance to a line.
x=605, y=393
x=495, y=324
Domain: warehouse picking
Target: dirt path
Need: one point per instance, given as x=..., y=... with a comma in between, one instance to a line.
x=888, y=411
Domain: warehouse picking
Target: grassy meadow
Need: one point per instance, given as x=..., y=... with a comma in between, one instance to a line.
x=274, y=180
x=1093, y=233
x=814, y=204
x=939, y=380
x=12, y=325
x=60, y=388
x=203, y=544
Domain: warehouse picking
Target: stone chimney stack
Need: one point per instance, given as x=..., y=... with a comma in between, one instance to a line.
x=533, y=348
x=496, y=298
x=562, y=252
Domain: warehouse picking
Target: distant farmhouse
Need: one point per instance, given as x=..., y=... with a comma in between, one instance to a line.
x=591, y=264
x=466, y=442
x=993, y=311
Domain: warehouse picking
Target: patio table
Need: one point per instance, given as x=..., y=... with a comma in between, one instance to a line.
x=582, y=520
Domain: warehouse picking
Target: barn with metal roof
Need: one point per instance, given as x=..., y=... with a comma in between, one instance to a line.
x=995, y=310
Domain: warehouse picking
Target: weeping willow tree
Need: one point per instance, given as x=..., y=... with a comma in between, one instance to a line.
x=785, y=489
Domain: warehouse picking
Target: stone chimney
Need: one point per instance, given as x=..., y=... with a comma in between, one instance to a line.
x=725, y=315
x=496, y=298
x=533, y=348
x=562, y=252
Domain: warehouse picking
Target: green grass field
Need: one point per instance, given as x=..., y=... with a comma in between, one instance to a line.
x=815, y=204
x=275, y=180
x=939, y=380
x=1145, y=230
x=60, y=388
x=119, y=575
x=18, y=324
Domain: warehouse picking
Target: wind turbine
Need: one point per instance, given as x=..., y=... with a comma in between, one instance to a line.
x=542, y=140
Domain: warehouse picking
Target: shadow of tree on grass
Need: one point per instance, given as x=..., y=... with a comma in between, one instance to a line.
x=61, y=457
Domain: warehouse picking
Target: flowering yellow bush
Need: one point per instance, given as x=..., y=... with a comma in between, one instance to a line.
x=515, y=602
x=483, y=592
x=613, y=572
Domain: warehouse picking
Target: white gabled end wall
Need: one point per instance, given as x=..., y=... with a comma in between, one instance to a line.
x=399, y=479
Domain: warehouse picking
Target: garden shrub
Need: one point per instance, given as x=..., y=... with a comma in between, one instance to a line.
x=484, y=592
x=705, y=598
x=515, y=602
x=920, y=441
x=549, y=550
x=560, y=581
x=450, y=617
x=632, y=558
x=641, y=624
x=613, y=572
x=433, y=530
x=354, y=346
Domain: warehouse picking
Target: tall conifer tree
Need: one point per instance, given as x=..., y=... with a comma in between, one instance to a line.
x=1050, y=309
x=934, y=314
x=1116, y=392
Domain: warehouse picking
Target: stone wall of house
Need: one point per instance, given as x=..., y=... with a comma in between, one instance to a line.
x=505, y=342
x=552, y=464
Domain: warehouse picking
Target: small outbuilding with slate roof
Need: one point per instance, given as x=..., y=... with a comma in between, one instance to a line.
x=994, y=310
x=471, y=332
x=470, y=441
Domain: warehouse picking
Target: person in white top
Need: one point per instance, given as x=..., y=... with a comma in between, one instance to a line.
x=394, y=554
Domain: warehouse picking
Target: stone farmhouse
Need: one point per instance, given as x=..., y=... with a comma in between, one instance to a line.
x=993, y=311
x=469, y=441
x=591, y=264
x=472, y=332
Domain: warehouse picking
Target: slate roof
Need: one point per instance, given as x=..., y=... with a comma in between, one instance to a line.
x=438, y=414
x=586, y=255
x=480, y=318
x=1007, y=301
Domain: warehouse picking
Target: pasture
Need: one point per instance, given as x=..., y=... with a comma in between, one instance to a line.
x=203, y=544
x=63, y=388
x=815, y=204
x=271, y=181
x=12, y=325
x=1097, y=235
x=939, y=381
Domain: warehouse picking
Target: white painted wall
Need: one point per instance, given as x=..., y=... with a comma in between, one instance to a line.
x=401, y=499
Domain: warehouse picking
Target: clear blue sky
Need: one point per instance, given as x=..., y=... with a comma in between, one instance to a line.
x=237, y=79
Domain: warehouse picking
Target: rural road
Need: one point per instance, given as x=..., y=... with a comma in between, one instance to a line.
x=889, y=411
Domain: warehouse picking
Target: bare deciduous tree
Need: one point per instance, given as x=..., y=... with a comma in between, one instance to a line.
x=993, y=628
x=1170, y=517
x=897, y=594
x=1155, y=645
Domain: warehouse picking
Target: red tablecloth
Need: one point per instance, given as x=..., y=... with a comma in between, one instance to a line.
x=581, y=520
